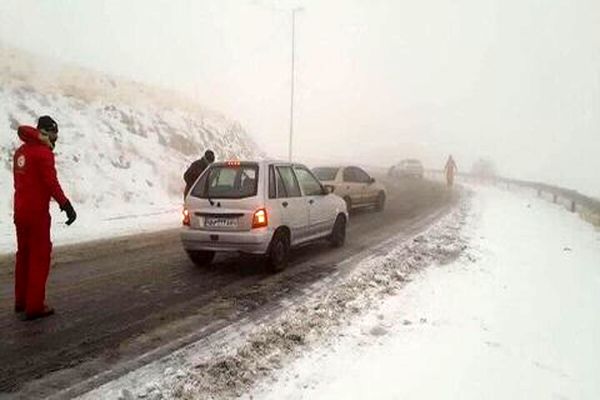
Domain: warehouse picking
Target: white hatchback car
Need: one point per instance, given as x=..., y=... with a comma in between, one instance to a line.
x=262, y=207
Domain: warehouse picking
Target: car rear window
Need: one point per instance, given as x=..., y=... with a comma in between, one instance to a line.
x=326, y=173
x=227, y=182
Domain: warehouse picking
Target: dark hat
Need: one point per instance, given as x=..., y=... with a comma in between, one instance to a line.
x=209, y=155
x=47, y=124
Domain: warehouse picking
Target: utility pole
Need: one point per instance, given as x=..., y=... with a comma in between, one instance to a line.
x=292, y=83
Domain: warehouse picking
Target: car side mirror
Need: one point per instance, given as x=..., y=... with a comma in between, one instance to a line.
x=327, y=189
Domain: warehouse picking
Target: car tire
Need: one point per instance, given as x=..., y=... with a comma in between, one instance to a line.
x=278, y=253
x=338, y=233
x=201, y=258
x=348, y=201
x=380, y=202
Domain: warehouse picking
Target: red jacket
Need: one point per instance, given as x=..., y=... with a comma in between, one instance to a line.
x=35, y=176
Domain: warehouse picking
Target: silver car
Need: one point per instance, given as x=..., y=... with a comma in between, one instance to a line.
x=259, y=207
x=354, y=185
x=410, y=168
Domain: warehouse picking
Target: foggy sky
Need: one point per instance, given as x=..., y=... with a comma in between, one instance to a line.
x=516, y=81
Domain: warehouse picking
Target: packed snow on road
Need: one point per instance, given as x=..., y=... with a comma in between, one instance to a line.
x=229, y=362
x=515, y=319
x=497, y=300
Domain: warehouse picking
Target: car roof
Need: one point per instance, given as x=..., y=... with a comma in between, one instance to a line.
x=340, y=166
x=327, y=166
x=259, y=162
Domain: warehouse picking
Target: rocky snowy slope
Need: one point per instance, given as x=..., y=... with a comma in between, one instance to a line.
x=123, y=146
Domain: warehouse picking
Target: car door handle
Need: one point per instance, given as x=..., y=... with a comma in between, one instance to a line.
x=285, y=204
x=311, y=201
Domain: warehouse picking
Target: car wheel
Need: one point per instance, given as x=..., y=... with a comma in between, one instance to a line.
x=380, y=202
x=338, y=234
x=348, y=201
x=201, y=258
x=279, y=252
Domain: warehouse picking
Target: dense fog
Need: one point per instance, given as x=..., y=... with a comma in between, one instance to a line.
x=516, y=82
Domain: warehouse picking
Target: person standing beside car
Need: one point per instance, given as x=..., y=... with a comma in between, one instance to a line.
x=196, y=169
x=35, y=183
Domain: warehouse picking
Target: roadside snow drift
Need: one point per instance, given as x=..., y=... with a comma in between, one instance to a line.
x=122, y=150
x=515, y=318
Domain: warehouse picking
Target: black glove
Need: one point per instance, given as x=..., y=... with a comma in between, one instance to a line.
x=71, y=214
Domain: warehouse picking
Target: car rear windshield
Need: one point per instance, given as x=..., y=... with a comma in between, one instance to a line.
x=326, y=173
x=227, y=182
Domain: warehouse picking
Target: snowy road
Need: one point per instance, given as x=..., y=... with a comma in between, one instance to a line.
x=516, y=317
x=122, y=299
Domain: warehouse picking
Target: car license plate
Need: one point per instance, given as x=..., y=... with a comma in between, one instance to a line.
x=220, y=222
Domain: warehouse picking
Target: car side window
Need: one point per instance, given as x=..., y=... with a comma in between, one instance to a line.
x=281, y=191
x=349, y=175
x=361, y=176
x=289, y=182
x=309, y=184
x=272, y=183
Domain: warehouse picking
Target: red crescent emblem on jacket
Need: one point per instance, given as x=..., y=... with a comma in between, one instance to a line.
x=21, y=161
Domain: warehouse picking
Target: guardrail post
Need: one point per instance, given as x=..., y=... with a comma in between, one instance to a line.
x=554, y=198
x=573, y=206
x=539, y=192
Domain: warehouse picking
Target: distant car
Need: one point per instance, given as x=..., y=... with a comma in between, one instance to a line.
x=408, y=168
x=354, y=185
x=262, y=207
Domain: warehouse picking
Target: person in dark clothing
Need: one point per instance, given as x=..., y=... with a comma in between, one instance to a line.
x=196, y=169
x=35, y=184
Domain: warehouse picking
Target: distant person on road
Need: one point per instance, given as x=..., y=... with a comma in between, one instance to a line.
x=450, y=170
x=196, y=169
x=35, y=184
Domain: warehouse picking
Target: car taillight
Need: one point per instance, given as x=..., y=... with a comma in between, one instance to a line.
x=260, y=220
x=186, y=217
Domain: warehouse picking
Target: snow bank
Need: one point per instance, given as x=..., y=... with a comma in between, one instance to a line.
x=122, y=148
x=515, y=318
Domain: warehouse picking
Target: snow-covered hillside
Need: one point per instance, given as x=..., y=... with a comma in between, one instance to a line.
x=123, y=146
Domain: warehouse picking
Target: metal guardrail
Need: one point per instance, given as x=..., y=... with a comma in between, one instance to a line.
x=587, y=207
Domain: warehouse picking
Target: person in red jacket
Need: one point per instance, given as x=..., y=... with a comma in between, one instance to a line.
x=35, y=184
x=450, y=170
